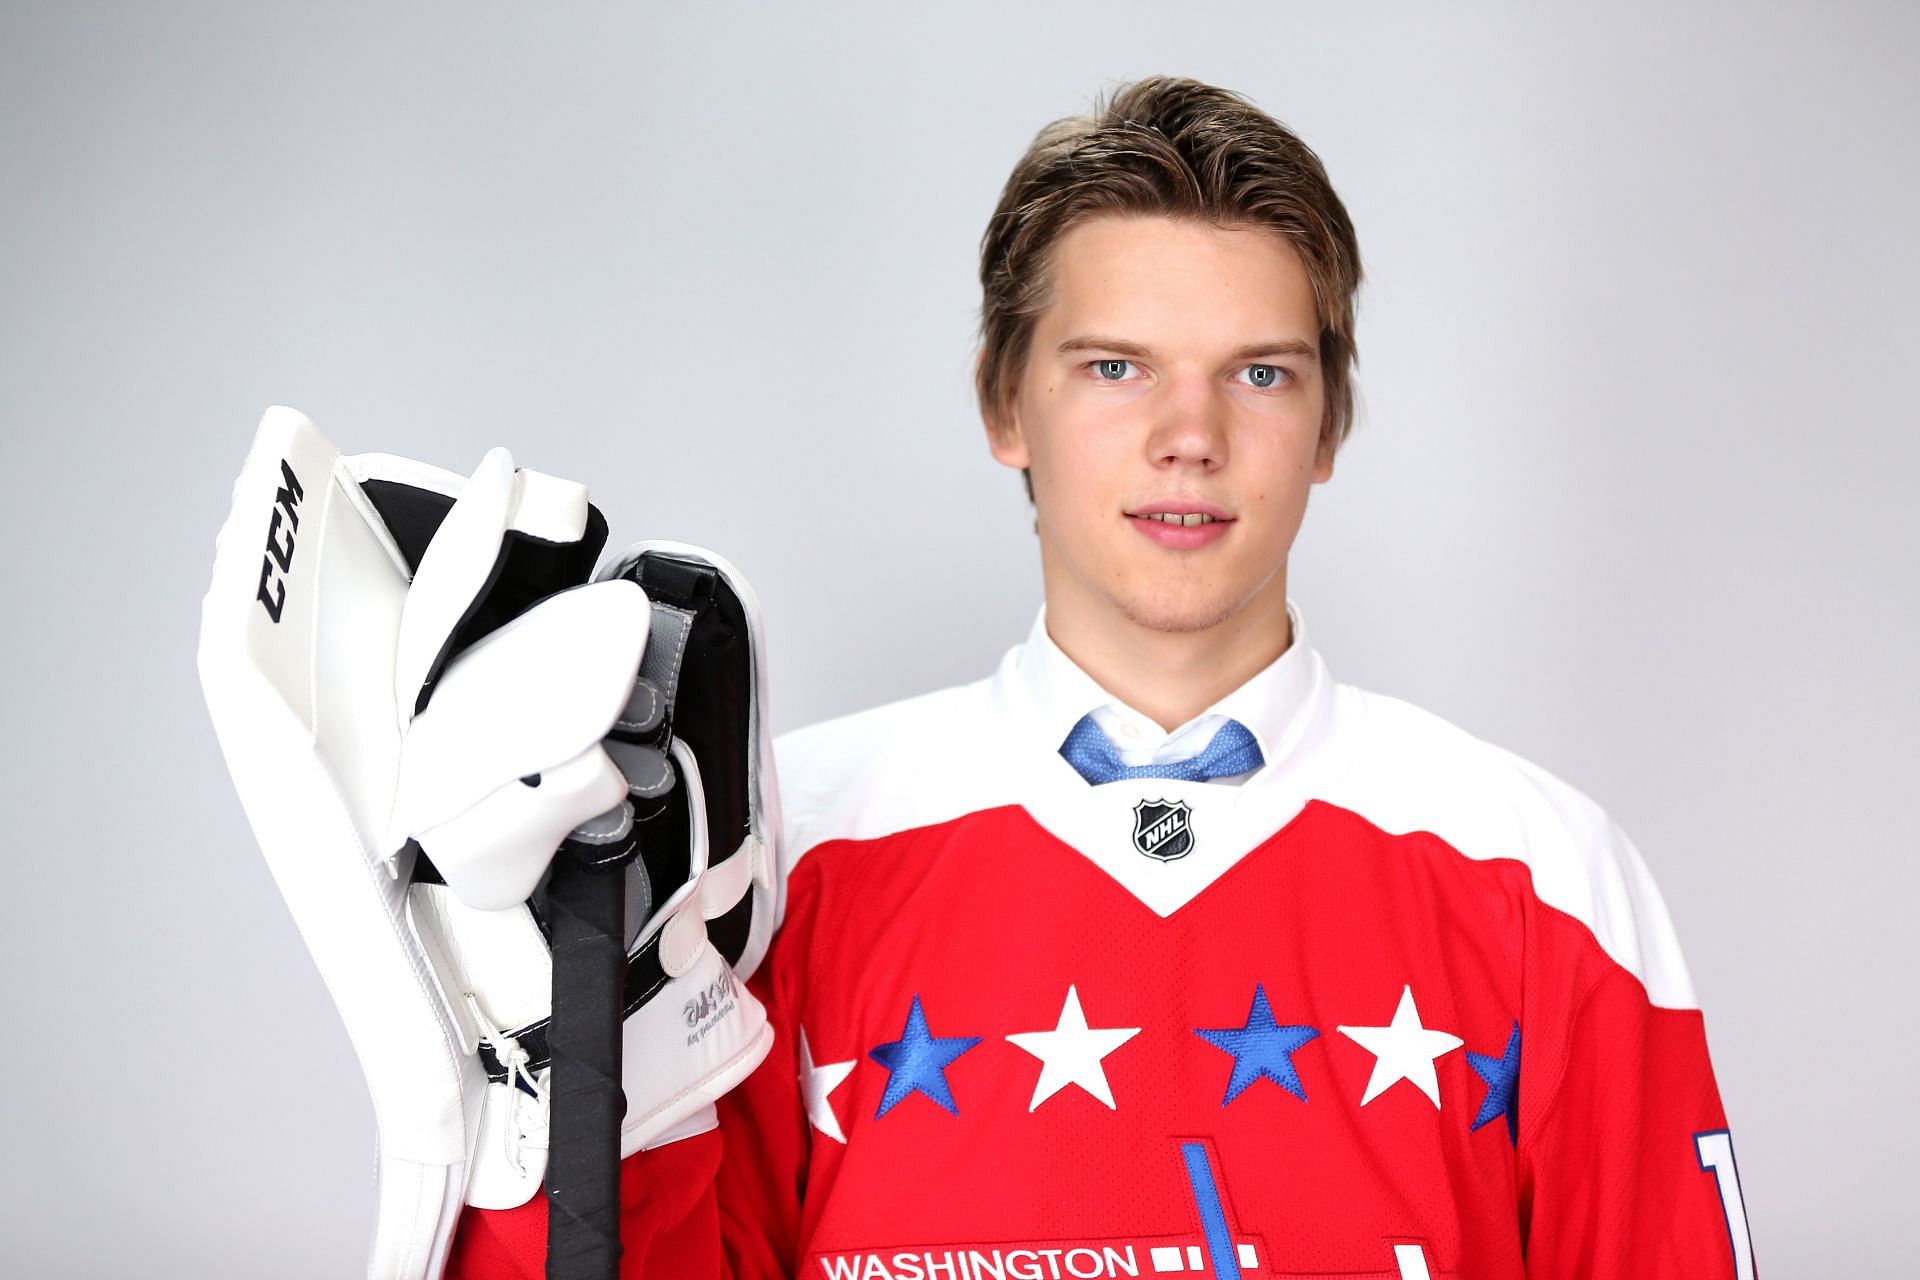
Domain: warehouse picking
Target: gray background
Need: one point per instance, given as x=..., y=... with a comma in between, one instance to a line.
x=1631, y=493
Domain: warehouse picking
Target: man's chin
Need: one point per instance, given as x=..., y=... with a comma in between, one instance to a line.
x=1177, y=617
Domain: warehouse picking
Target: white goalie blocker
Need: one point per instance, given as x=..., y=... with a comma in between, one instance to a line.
x=342, y=588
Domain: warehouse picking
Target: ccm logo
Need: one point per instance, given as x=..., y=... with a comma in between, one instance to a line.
x=273, y=587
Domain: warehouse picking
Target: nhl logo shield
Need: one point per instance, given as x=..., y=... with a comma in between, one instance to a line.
x=1162, y=830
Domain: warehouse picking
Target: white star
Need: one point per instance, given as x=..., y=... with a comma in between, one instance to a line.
x=1403, y=1050
x=816, y=1082
x=1071, y=1053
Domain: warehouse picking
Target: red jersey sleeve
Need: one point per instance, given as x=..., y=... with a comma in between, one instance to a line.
x=1625, y=1164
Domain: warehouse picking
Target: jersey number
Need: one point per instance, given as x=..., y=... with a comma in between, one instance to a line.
x=1715, y=1149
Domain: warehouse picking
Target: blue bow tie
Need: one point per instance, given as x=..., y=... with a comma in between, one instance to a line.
x=1232, y=751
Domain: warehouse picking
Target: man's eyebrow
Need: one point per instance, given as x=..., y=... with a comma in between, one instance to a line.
x=1252, y=351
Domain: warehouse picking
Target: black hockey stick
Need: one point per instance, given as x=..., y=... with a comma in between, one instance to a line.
x=590, y=904
x=586, y=907
x=586, y=904
x=699, y=660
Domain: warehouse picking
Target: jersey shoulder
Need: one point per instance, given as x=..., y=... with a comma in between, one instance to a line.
x=1414, y=770
x=1413, y=764
x=889, y=768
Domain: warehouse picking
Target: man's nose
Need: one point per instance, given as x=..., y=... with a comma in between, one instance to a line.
x=1190, y=426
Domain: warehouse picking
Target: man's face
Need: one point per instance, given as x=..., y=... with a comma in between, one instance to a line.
x=1176, y=375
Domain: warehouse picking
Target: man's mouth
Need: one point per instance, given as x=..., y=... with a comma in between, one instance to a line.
x=1181, y=525
x=1189, y=519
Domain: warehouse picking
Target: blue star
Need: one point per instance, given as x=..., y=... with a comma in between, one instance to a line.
x=1261, y=1048
x=917, y=1062
x=1502, y=1075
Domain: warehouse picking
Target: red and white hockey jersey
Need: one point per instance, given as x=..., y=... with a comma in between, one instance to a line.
x=1398, y=1004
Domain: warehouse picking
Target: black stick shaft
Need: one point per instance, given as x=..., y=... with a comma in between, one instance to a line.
x=586, y=911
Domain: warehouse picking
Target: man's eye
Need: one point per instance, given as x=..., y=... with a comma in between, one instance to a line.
x=1266, y=375
x=1111, y=370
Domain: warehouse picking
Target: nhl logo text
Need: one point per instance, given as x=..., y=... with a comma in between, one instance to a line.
x=286, y=499
x=1163, y=831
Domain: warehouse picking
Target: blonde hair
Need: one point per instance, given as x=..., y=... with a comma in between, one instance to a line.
x=1179, y=148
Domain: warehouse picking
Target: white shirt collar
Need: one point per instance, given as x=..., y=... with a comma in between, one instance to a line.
x=1057, y=692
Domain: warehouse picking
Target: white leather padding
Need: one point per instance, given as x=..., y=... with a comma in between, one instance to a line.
x=703, y=1032
x=694, y=1039
x=501, y=959
x=730, y=880
x=705, y=1028
x=531, y=700
x=459, y=562
x=493, y=854
x=534, y=693
x=313, y=758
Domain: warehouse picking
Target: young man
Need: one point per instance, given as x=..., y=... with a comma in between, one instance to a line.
x=1159, y=951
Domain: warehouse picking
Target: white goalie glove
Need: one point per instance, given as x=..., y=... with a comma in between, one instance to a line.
x=413, y=728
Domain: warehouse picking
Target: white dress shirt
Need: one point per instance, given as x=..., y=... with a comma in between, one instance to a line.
x=1268, y=704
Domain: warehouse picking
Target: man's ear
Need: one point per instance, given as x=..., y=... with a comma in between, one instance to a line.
x=1323, y=462
x=1004, y=438
x=1007, y=445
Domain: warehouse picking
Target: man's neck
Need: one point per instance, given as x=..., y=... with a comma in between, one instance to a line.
x=1172, y=676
